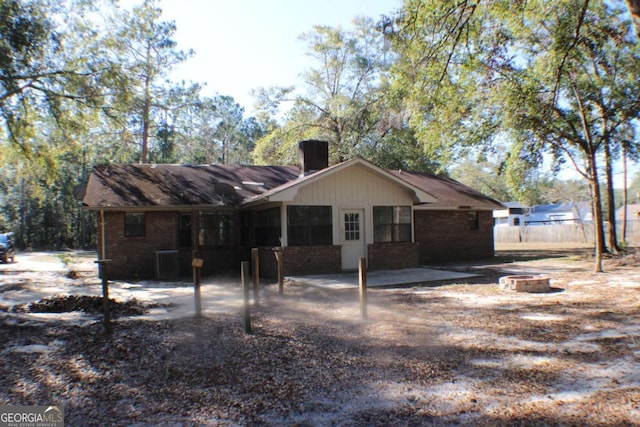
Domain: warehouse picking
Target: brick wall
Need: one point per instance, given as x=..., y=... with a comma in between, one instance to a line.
x=135, y=257
x=221, y=261
x=388, y=256
x=312, y=259
x=446, y=236
x=440, y=236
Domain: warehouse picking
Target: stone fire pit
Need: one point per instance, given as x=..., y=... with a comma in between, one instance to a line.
x=526, y=283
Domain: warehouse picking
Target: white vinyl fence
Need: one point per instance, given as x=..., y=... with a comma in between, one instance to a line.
x=579, y=233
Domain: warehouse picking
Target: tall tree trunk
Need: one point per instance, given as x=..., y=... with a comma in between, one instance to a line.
x=22, y=239
x=224, y=151
x=597, y=214
x=81, y=214
x=58, y=232
x=625, y=196
x=146, y=108
x=144, y=149
x=591, y=151
x=611, y=204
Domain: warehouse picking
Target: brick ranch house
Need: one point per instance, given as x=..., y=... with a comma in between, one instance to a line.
x=323, y=218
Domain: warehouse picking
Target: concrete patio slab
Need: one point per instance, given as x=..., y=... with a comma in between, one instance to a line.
x=402, y=277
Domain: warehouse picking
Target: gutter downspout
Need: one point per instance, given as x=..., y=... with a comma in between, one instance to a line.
x=103, y=235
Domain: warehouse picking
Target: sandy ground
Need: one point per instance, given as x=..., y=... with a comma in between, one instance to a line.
x=454, y=352
x=38, y=275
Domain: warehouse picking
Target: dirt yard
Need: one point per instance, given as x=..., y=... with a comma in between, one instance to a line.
x=442, y=354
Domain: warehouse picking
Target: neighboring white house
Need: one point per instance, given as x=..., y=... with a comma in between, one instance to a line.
x=559, y=213
x=633, y=213
x=513, y=215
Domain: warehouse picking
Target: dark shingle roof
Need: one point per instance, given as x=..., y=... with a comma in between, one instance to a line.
x=181, y=185
x=448, y=192
x=149, y=186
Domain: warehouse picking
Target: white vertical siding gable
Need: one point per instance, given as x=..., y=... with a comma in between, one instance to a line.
x=355, y=186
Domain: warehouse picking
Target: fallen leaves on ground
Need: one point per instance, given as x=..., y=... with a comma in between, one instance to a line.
x=461, y=353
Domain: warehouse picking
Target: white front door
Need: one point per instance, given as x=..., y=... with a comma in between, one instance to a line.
x=353, y=237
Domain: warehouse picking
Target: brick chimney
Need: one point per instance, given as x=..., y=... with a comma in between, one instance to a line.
x=314, y=156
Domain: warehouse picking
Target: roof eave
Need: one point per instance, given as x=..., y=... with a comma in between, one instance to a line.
x=157, y=208
x=290, y=189
x=440, y=207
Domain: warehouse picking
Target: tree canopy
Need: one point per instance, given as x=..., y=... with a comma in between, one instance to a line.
x=556, y=79
x=486, y=91
x=344, y=101
x=84, y=83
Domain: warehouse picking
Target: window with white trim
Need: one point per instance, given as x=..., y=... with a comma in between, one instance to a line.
x=391, y=224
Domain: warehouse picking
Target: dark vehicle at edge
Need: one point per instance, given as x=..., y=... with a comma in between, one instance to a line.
x=6, y=248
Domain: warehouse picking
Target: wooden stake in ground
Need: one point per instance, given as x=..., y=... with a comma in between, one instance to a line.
x=244, y=277
x=197, y=263
x=362, y=267
x=106, y=306
x=280, y=262
x=256, y=276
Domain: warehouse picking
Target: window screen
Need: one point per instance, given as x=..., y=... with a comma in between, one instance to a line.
x=185, y=233
x=134, y=224
x=309, y=225
x=474, y=223
x=268, y=230
x=217, y=229
x=391, y=224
